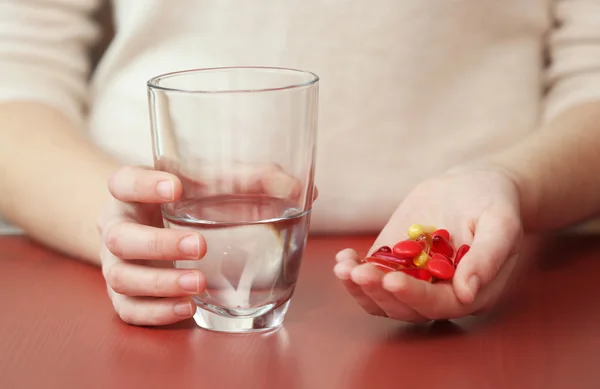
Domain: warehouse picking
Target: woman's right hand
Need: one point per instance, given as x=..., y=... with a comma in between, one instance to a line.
x=137, y=253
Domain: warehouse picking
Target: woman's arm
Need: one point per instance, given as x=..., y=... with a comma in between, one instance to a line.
x=52, y=184
x=556, y=168
x=52, y=180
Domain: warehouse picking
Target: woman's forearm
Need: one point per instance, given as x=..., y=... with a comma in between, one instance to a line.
x=555, y=170
x=52, y=180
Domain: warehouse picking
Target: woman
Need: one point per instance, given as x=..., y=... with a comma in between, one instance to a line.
x=502, y=90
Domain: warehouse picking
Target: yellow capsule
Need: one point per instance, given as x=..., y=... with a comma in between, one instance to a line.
x=414, y=231
x=429, y=229
x=421, y=260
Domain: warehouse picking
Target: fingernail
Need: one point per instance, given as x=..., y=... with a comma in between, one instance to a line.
x=183, y=309
x=166, y=190
x=473, y=285
x=190, y=282
x=190, y=246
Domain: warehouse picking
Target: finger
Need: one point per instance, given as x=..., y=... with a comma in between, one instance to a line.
x=347, y=255
x=241, y=178
x=497, y=235
x=152, y=311
x=433, y=301
x=348, y=259
x=276, y=182
x=370, y=280
x=136, y=184
x=138, y=280
x=342, y=271
x=128, y=240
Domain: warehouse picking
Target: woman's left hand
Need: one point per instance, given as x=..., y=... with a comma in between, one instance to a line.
x=479, y=208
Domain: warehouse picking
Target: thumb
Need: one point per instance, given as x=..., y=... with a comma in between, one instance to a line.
x=497, y=234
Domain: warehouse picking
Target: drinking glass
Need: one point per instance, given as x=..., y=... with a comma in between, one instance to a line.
x=242, y=141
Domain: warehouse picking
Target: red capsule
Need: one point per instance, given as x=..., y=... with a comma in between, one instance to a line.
x=441, y=257
x=407, y=249
x=382, y=264
x=439, y=245
x=442, y=232
x=440, y=268
x=460, y=253
x=421, y=274
x=398, y=261
x=383, y=249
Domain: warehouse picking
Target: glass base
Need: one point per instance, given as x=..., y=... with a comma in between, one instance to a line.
x=267, y=321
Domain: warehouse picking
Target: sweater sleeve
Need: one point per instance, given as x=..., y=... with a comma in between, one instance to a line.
x=44, y=52
x=573, y=75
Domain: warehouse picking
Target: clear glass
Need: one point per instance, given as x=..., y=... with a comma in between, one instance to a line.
x=242, y=141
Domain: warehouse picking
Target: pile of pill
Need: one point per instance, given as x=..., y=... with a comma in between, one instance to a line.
x=427, y=254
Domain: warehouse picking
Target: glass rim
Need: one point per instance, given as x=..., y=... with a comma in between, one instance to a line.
x=153, y=83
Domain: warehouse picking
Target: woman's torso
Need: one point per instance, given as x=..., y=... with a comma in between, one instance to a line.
x=409, y=88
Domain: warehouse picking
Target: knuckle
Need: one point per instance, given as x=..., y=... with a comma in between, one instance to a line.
x=113, y=278
x=132, y=313
x=127, y=314
x=112, y=181
x=127, y=183
x=107, y=217
x=126, y=171
x=160, y=284
x=100, y=224
x=139, y=186
x=142, y=182
x=128, y=311
x=112, y=239
x=153, y=315
x=115, y=180
x=155, y=243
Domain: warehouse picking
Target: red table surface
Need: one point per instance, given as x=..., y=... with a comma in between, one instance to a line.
x=58, y=330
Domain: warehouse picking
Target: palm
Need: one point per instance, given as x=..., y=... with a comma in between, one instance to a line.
x=453, y=202
x=480, y=209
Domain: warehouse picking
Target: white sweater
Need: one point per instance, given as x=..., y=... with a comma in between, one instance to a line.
x=409, y=88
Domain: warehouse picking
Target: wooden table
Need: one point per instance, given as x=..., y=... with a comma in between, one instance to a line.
x=58, y=330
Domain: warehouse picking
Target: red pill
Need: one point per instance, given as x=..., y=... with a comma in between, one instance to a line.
x=442, y=232
x=421, y=274
x=441, y=257
x=439, y=245
x=384, y=249
x=407, y=249
x=381, y=264
x=440, y=268
x=398, y=261
x=460, y=253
